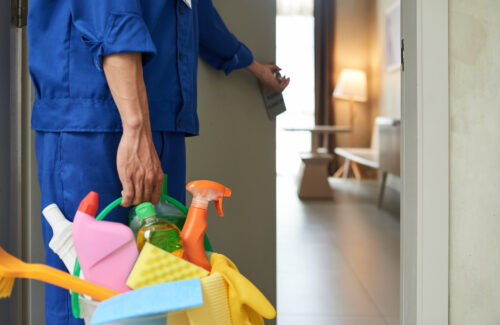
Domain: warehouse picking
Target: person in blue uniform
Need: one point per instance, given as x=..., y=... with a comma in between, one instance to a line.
x=115, y=84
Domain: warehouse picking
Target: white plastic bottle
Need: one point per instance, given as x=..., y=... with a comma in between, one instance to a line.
x=62, y=239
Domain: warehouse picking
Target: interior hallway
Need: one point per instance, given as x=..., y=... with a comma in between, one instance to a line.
x=338, y=261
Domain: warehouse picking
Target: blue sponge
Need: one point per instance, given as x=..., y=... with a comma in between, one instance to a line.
x=150, y=301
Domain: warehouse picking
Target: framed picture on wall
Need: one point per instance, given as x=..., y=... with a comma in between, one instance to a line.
x=393, y=37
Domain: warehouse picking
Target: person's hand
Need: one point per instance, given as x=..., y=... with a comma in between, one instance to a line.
x=137, y=162
x=265, y=74
x=139, y=167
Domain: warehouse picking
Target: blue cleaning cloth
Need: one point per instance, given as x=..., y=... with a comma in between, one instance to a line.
x=149, y=301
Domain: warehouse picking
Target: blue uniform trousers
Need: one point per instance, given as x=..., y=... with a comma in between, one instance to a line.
x=71, y=164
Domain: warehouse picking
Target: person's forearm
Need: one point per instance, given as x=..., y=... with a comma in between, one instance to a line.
x=137, y=162
x=125, y=80
x=253, y=68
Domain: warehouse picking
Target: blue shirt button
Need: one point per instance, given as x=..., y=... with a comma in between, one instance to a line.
x=179, y=124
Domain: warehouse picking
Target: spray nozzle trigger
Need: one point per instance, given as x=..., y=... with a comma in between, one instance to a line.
x=207, y=191
x=218, y=206
x=218, y=202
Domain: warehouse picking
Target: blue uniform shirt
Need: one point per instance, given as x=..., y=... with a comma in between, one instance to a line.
x=69, y=38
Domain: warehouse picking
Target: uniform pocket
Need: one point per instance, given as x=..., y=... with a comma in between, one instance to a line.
x=88, y=163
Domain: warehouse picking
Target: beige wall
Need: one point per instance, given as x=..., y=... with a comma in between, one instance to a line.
x=385, y=85
x=353, y=23
x=360, y=44
x=237, y=148
x=475, y=155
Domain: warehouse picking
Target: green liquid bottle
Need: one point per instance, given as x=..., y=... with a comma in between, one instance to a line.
x=157, y=231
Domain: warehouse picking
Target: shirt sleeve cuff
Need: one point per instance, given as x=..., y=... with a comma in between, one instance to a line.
x=124, y=33
x=241, y=59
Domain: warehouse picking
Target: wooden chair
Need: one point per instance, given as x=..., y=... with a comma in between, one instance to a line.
x=383, y=153
x=389, y=131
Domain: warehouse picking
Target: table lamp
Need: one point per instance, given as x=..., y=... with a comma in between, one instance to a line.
x=351, y=86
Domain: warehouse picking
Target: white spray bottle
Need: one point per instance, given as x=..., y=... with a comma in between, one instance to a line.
x=62, y=238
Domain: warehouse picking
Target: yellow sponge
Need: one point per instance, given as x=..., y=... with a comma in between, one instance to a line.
x=154, y=266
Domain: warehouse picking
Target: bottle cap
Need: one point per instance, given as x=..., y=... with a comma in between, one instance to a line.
x=145, y=210
x=89, y=204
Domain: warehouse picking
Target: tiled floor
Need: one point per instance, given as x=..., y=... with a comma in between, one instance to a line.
x=338, y=260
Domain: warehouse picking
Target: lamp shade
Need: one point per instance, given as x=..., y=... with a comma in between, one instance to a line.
x=351, y=85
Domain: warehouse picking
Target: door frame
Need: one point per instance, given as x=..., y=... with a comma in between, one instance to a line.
x=425, y=163
x=24, y=189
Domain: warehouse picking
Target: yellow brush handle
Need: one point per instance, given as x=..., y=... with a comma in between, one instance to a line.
x=64, y=280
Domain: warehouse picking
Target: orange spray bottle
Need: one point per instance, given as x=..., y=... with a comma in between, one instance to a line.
x=196, y=221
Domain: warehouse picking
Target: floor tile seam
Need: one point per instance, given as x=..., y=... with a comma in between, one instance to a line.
x=365, y=289
x=352, y=269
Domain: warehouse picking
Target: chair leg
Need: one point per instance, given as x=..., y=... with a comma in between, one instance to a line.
x=339, y=172
x=356, y=171
x=347, y=163
x=382, y=189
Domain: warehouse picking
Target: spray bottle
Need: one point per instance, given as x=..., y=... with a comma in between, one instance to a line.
x=196, y=222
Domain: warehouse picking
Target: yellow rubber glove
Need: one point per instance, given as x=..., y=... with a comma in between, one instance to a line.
x=215, y=308
x=246, y=303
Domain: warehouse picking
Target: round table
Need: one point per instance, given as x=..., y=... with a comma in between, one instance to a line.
x=314, y=171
